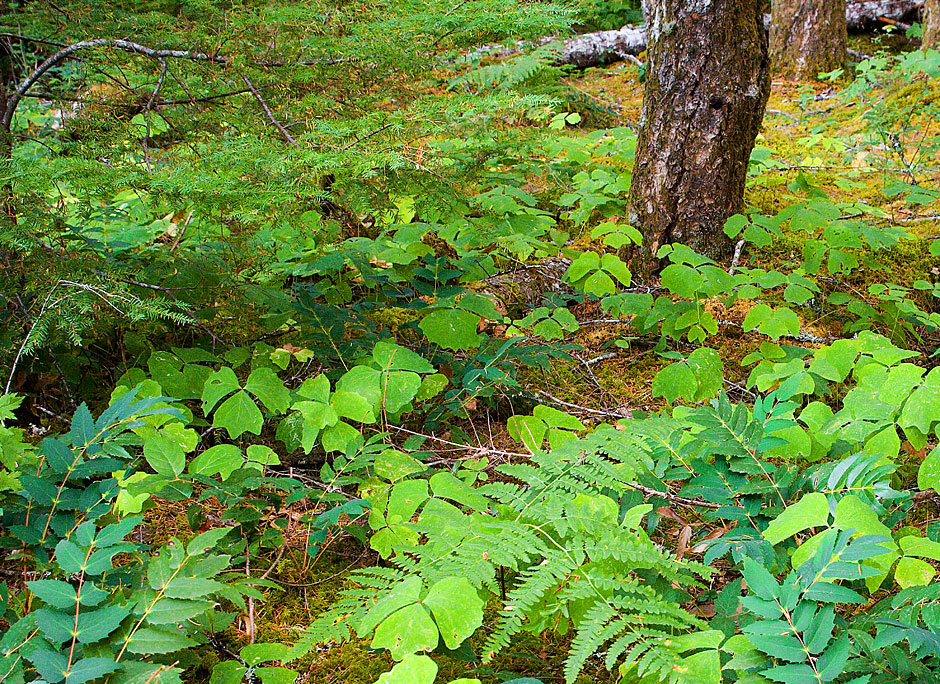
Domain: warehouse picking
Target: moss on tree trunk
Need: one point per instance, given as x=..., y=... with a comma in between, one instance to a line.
x=707, y=84
x=807, y=37
x=932, y=24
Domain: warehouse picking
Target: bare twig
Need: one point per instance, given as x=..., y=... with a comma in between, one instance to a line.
x=127, y=46
x=267, y=110
x=597, y=412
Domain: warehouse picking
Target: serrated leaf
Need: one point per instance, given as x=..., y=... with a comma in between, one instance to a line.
x=151, y=640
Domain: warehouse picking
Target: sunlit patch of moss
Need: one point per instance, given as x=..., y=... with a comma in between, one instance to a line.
x=392, y=317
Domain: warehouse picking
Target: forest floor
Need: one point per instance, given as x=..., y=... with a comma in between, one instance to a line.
x=810, y=130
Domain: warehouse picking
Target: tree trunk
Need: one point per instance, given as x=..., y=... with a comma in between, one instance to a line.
x=707, y=83
x=807, y=37
x=931, y=37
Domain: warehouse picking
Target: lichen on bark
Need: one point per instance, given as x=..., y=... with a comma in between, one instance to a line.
x=807, y=37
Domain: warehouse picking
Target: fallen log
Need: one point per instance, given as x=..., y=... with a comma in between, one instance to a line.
x=606, y=47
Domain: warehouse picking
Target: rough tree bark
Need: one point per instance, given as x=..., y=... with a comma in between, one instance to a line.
x=708, y=79
x=807, y=37
x=931, y=37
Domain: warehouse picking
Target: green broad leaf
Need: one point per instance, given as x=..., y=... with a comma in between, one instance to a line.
x=431, y=386
x=317, y=388
x=389, y=356
x=173, y=611
x=921, y=547
x=261, y=456
x=615, y=267
x=452, y=329
x=674, y=381
x=833, y=593
x=922, y=409
x=394, y=465
x=221, y=459
x=682, y=280
x=788, y=674
x=254, y=654
x=405, y=593
x=56, y=593
x=548, y=329
x=341, y=437
x=480, y=305
x=238, y=414
x=187, y=438
x=165, y=456
x=353, y=406
x=228, y=672
x=153, y=640
x=587, y=262
x=399, y=388
x=557, y=419
x=192, y=587
x=218, y=385
x=407, y=631
x=87, y=669
x=269, y=388
x=457, y=609
x=760, y=581
x=707, y=368
x=703, y=667
x=98, y=624
x=364, y=382
x=413, y=669
x=55, y=626
x=527, y=429
x=832, y=661
x=405, y=499
x=69, y=557
x=148, y=673
x=207, y=540
x=913, y=572
x=928, y=474
x=810, y=511
x=599, y=284
x=51, y=665
x=276, y=675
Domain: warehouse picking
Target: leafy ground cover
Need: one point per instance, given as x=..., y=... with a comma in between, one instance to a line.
x=381, y=400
